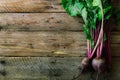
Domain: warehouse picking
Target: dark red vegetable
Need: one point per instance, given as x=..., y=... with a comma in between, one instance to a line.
x=98, y=65
x=95, y=14
x=85, y=63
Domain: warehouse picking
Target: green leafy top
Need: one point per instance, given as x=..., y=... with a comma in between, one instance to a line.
x=90, y=11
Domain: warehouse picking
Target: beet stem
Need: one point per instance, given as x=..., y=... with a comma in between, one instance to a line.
x=109, y=50
x=100, y=34
x=100, y=47
x=88, y=47
x=98, y=51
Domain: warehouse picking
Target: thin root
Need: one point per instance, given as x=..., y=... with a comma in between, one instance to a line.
x=78, y=76
x=97, y=76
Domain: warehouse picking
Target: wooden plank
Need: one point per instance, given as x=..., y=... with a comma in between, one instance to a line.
x=115, y=69
x=39, y=21
x=42, y=43
x=31, y=6
x=115, y=49
x=35, y=5
x=39, y=68
x=49, y=68
x=48, y=43
x=115, y=37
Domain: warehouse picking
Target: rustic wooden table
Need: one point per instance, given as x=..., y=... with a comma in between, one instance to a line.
x=40, y=41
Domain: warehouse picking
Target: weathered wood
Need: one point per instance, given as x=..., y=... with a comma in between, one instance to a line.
x=48, y=43
x=48, y=68
x=35, y=5
x=115, y=71
x=31, y=6
x=42, y=43
x=115, y=37
x=115, y=49
x=39, y=21
x=39, y=68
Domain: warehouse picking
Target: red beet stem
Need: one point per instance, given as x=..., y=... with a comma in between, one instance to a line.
x=100, y=47
x=109, y=52
x=100, y=34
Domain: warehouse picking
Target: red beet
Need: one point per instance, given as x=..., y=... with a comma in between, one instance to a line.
x=98, y=64
x=85, y=63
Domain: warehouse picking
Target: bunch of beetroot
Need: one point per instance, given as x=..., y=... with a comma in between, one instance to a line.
x=96, y=15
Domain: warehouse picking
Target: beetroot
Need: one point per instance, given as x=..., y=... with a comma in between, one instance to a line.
x=95, y=14
x=98, y=64
x=85, y=63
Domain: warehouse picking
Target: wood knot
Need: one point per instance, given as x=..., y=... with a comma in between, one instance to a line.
x=2, y=62
x=3, y=73
x=31, y=45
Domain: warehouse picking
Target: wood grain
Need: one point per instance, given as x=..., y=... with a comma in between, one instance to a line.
x=39, y=21
x=41, y=68
x=115, y=37
x=47, y=31
x=48, y=43
x=49, y=68
x=43, y=43
x=36, y=5
x=31, y=6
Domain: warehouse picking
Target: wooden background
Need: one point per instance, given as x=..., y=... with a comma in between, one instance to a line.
x=40, y=41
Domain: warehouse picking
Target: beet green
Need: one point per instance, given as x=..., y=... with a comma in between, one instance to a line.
x=95, y=14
